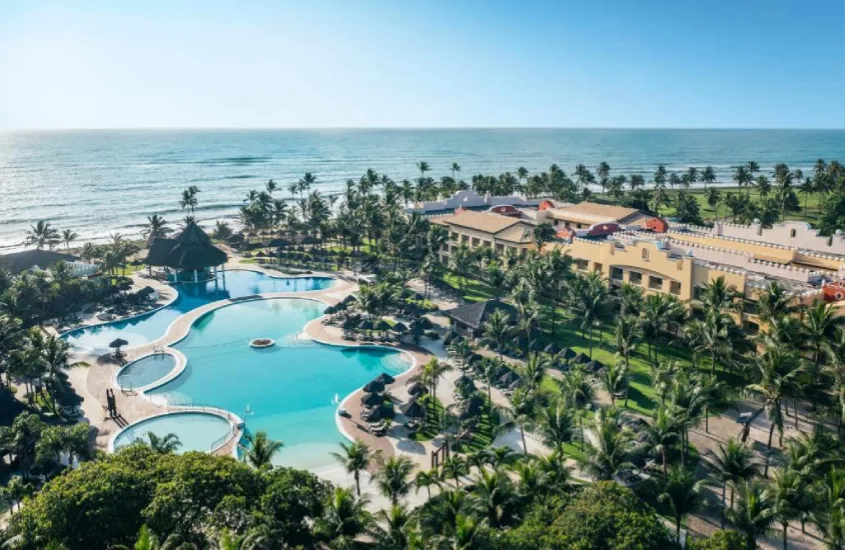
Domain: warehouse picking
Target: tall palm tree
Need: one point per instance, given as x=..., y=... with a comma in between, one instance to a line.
x=394, y=478
x=734, y=464
x=590, y=303
x=713, y=198
x=521, y=412
x=392, y=527
x=494, y=496
x=355, y=459
x=42, y=234
x=755, y=512
x=711, y=336
x=260, y=449
x=774, y=303
x=708, y=175
x=557, y=425
x=786, y=489
x=614, y=378
x=155, y=228
x=426, y=479
x=662, y=434
x=829, y=514
x=776, y=370
x=497, y=330
x=682, y=493
x=68, y=236
x=453, y=468
x=189, y=199
x=612, y=446
x=345, y=520
x=819, y=326
x=628, y=334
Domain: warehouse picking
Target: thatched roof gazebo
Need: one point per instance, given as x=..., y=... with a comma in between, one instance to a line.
x=191, y=250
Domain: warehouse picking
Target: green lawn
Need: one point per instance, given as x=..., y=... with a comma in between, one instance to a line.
x=812, y=213
x=472, y=291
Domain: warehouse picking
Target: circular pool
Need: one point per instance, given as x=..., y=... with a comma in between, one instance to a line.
x=197, y=431
x=145, y=371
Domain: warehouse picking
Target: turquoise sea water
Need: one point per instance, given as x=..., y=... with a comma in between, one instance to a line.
x=288, y=390
x=98, y=182
x=196, y=431
x=146, y=328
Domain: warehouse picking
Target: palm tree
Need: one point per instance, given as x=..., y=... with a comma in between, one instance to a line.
x=682, y=492
x=662, y=433
x=521, y=412
x=42, y=234
x=155, y=228
x=611, y=446
x=355, y=459
x=774, y=303
x=713, y=198
x=710, y=336
x=344, y=519
x=578, y=389
x=776, y=370
x=614, y=378
x=453, y=468
x=786, y=489
x=166, y=444
x=427, y=479
x=628, y=334
x=542, y=233
x=394, y=478
x=557, y=425
x=708, y=175
x=392, y=528
x=590, y=303
x=829, y=515
x=189, y=199
x=734, y=464
x=497, y=330
x=819, y=327
x=260, y=450
x=68, y=236
x=755, y=512
x=455, y=169
x=494, y=496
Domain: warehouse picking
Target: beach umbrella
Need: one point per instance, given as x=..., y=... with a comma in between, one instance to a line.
x=594, y=366
x=118, y=343
x=581, y=358
x=329, y=310
x=413, y=409
x=552, y=348
x=400, y=327
x=417, y=389
x=349, y=299
x=374, y=386
x=567, y=354
x=366, y=324
x=382, y=325
x=350, y=323
x=276, y=243
x=508, y=378
x=385, y=378
x=371, y=399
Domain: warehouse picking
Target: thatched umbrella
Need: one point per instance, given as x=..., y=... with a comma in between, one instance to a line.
x=371, y=399
x=552, y=348
x=118, y=343
x=400, y=328
x=594, y=365
x=383, y=326
x=581, y=358
x=417, y=389
x=375, y=386
x=279, y=243
x=350, y=323
x=508, y=378
x=349, y=299
x=567, y=354
x=413, y=409
x=366, y=324
x=329, y=310
x=385, y=378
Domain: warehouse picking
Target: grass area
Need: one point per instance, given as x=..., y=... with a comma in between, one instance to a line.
x=430, y=428
x=472, y=291
x=811, y=214
x=482, y=438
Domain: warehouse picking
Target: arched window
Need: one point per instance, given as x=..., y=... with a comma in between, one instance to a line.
x=645, y=254
x=792, y=233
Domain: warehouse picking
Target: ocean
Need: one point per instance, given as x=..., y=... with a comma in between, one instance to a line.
x=97, y=182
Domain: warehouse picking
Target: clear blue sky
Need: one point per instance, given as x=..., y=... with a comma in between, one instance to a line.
x=423, y=63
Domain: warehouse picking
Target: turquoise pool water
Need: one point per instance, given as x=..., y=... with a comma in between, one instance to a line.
x=146, y=328
x=288, y=390
x=196, y=431
x=145, y=371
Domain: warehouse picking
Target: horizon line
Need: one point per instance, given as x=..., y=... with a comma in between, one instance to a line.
x=405, y=128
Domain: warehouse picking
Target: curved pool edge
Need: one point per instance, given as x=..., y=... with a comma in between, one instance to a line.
x=236, y=424
x=181, y=363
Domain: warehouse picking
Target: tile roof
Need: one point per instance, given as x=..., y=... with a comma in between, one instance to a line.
x=474, y=315
x=487, y=222
x=592, y=212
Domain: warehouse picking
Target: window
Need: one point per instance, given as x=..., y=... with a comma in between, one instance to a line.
x=645, y=254
x=616, y=273
x=655, y=283
x=445, y=248
x=597, y=267
x=475, y=241
x=792, y=233
x=675, y=288
x=453, y=236
x=635, y=278
x=500, y=248
x=582, y=265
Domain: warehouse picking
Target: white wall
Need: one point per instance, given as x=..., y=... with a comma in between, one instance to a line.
x=471, y=199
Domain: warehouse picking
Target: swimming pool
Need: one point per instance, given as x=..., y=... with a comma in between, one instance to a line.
x=197, y=431
x=149, y=327
x=145, y=371
x=289, y=390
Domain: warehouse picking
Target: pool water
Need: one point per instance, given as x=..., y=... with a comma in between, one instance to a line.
x=289, y=390
x=145, y=371
x=196, y=431
x=149, y=327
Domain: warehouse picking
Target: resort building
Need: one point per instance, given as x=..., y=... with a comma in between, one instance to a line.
x=587, y=215
x=470, y=200
x=468, y=320
x=499, y=231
